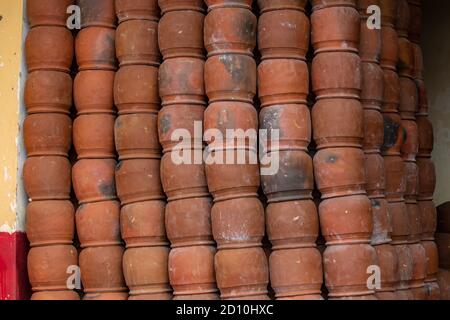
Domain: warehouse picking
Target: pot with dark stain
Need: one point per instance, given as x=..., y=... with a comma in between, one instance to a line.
x=95, y=49
x=97, y=13
x=382, y=222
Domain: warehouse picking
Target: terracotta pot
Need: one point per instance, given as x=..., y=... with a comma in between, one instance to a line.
x=181, y=81
x=47, y=134
x=426, y=135
x=283, y=34
x=152, y=297
x=93, y=92
x=138, y=180
x=242, y=274
x=108, y=296
x=372, y=85
x=411, y=146
x=283, y=81
x=345, y=269
x=101, y=270
x=137, y=43
x=427, y=178
x=340, y=172
x=146, y=270
x=373, y=131
x=191, y=271
x=395, y=178
x=296, y=272
x=49, y=48
x=415, y=224
x=432, y=256
x=181, y=34
x=50, y=223
x=400, y=222
x=326, y=37
x=405, y=64
x=47, y=178
x=375, y=175
x=296, y=227
x=216, y=4
x=93, y=180
x=394, y=135
x=343, y=80
x=136, y=136
x=142, y=224
x=322, y=4
x=415, y=21
x=419, y=271
x=47, y=267
x=55, y=296
x=137, y=10
x=408, y=98
x=98, y=224
x=230, y=77
x=102, y=55
x=429, y=219
x=389, y=49
x=370, y=40
x=93, y=136
x=232, y=180
x=388, y=263
x=48, y=92
x=99, y=13
x=269, y=5
x=48, y=13
x=405, y=266
x=328, y=119
x=412, y=181
x=136, y=90
x=443, y=244
x=294, y=178
x=346, y=220
x=388, y=12
x=238, y=223
x=403, y=16
x=443, y=218
x=174, y=118
x=391, y=96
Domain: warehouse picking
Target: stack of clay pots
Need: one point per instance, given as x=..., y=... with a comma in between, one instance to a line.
x=48, y=137
x=182, y=90
x=371, y=99
x=97, y=218
x=443, y=243
x=292, y=219
x=136, y=134
x=339, y=164
x=232, y=168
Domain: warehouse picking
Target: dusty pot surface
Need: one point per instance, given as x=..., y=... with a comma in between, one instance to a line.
x=142, y=224
x=389, y=49
x=98, y=224
x=409, y=99
x=138, y=180
x=375, y=175
x=99, y=13
x=47, y=178
x=388, y=262
x=432, y=256
x=400, y=222
x=48, y=91
x=372, y=85
x=428, y=217
x=55, y=296
x=93, y=180
x=427, y=178
x=137, y=43
x=238, y=223
x=415, y=224
x=93, y=136
x=93, y=91
x=136, y=90
x=382, y=221
x=373, y=131
x=181, y=34
x=95, y=49
x=395, y=177
x=49, y=48
x=419, y=271
x=269, y=5
x=50, y=223
x=136, y=136
x=370, y=41
x=181, y=5
x=137, y=10
x=47, y=134
x=426, y=135
x=412, y=181
x=48, y=13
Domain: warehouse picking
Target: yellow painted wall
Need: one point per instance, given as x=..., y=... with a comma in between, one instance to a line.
x=11, y=24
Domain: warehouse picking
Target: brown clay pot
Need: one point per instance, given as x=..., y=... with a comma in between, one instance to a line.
x=423, y=99
x=242, y=274
x=382, y=222
x=394, y=134
x=400, y=222
x=142, y=224
x=408, y=98
x=370, y=40
x=269, y=5
x=50, y=223
x=411, y=146
x=93, y=136
x=137, y=10
x=340, y=172
x=48, y=91
x=419, y=271
x=391, y=96
x=191, y=271
x=146, y=270
x=101, y=270
x=388, y=12
x=98, y=224
x=388, y=263
x=136, y=136
x=217, y=4
x=55, y=296
x=48, y=13
x=373, y=131
x=93, y=91
x=343, y=75
x=346, y=220
x=415, y=21
x=375, y=174
x=395, y=178
x=180, y=5
x=345, y=269
x=296, y=227
x=429, y=219
x=136, y=90
x=443, y=244
x=412, y=181
x=296, y=272
x=389, y=49
x=137, y=43
x=49, y=48
x=432, y=256
x=181, y=34
x=47, y=134
x=47, y=178
x=108, y=296
x=93, y=180
x=181, y=81
x=405, y=64
x=98, y=13
x=238, y=223
x=283, y=34
x=322, y=4
x=372, y=85
x=329, y=117
x=427, y=178
x=443, y=218
x=326, y=37
x=95, y=49
x=138, y=180
x=426, y=135
x=403, y=16
x=47, y=267
x=415, y=224
x=283, y=81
